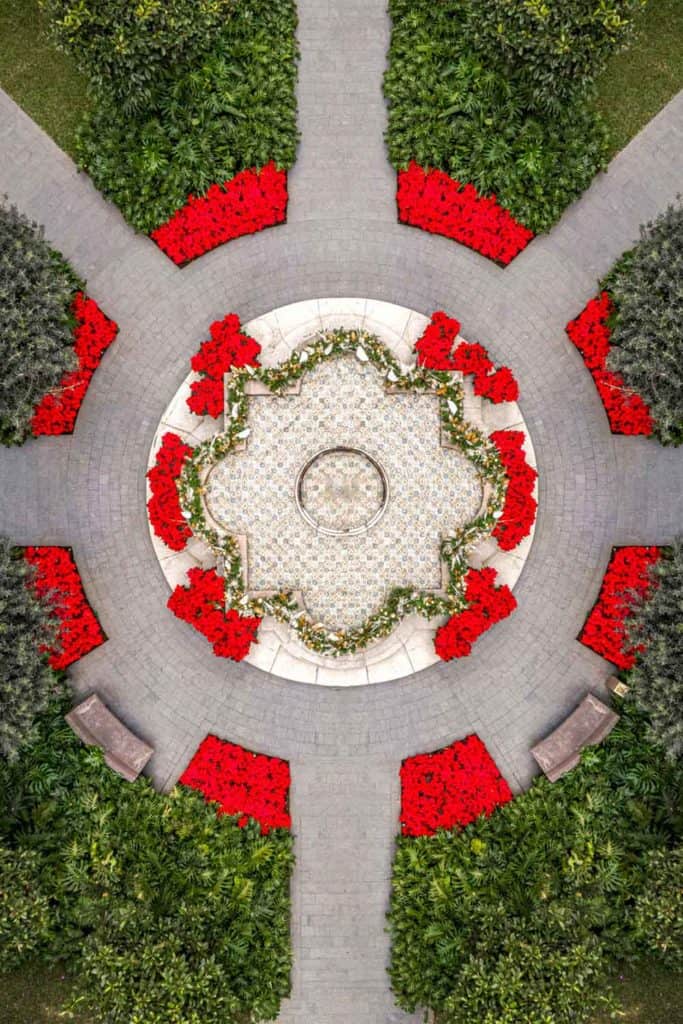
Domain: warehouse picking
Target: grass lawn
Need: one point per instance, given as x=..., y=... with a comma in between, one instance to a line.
x=639, y=82
x=40, y=78
x=35, y=995
x=649, y=995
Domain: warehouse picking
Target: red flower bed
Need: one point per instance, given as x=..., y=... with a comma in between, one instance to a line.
x=227, y=347
x=626, y=411
x=487, y=604
x=435, y=350
x=627, y=579
x=58, y=581
x=450, y=788
x=249, y=202
x=433, y=201
x=56, y=413
x=163, y=507
x=519, y=510
x=202, y=604
x=242, y=783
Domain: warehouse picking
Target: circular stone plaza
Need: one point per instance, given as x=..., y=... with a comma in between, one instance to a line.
x=346, y=503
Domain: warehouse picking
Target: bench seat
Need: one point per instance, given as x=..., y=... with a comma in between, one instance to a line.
x=97, y=726
x=586, y=726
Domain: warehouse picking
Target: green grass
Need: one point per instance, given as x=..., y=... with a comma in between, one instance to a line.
x=40, y=78
x=36, y=995
x=639, y=82
x=649, y=995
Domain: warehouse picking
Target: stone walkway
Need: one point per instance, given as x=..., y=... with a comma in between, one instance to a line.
x=342, y=238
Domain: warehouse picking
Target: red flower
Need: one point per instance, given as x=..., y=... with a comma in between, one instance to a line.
x=56, y=413
x=242, y=783
x=519, y=510
x=626, y=578
x=450, y=788
x=227, y=347
x=245, y=204
x=433, y=201
x=163, y=507
x=435, y=351
x=626, y=411
x=57, y=581
x=486, y=605
x=202, y=604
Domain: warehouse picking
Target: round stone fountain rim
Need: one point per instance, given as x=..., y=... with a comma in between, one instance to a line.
x=329, y=531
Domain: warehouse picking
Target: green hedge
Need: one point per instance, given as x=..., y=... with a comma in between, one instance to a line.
x=37, y=288
x=520, y=916
x=162, y=910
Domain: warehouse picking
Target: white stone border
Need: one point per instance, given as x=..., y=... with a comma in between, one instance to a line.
x=410, y=647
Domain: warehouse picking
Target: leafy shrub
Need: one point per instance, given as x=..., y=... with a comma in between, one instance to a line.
x=24, y=910
x=203, y=115
x=452, y=108
x=647, y=333
x=656, y=679
x=125, y=47
x=518, y=917
x=559, y=46
x=163, y=910
x=27, y=683
x=658, y=915
x=36, y=341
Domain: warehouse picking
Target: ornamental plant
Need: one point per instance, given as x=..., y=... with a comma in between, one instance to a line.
x=519, y=510
x=653, y=629
x=523, y=915
x=245, y=785
x=206, y=900
x=486, y=604
x=646, y=326
x=437, y=350
x=226, y=348
x=626, y=580
x=201, y=603
x=27, y=628
x=36, y=322
x=450, y=788
x=163, y=508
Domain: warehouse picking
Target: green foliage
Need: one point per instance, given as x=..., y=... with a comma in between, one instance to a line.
x=24, y=910
x=656, y=680
x=557, y=46
x=647, y=334
x=124, y=47
x=658, y=914
x=36, y=340
x=185, y=96
x=520, y=916
x=164, y=911
x=453, y=108
x=27, y=683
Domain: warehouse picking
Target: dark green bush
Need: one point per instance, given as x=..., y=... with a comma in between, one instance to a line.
x=36, y=341
x=647, y=334
x=162, y=910
x=656, y=681
x=520, y=916
x=125, y=47
x=24, y=910
x=27, y=683
x=557, y=46
x=658, y=912
x=453, y=108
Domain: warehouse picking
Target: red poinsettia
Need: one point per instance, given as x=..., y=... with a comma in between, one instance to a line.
x=590, y=332
x=450, y=788
x=242, y=783
x=57, y=581
x=249, y=202
x=163, y=507
x=202, y=604
x=519, y=510
x=227, y=347
x=56, y=413
x=433, y=201
x=486, y=605
x=627, y=579
x=437, y=350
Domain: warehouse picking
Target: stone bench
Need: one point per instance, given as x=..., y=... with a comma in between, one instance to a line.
x=97, y=726
x=587, y=725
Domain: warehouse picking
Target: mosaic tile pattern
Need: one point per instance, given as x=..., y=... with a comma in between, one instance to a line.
x=433, y=491
x=342, y=491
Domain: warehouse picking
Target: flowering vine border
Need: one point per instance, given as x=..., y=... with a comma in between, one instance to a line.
x=403, y=600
